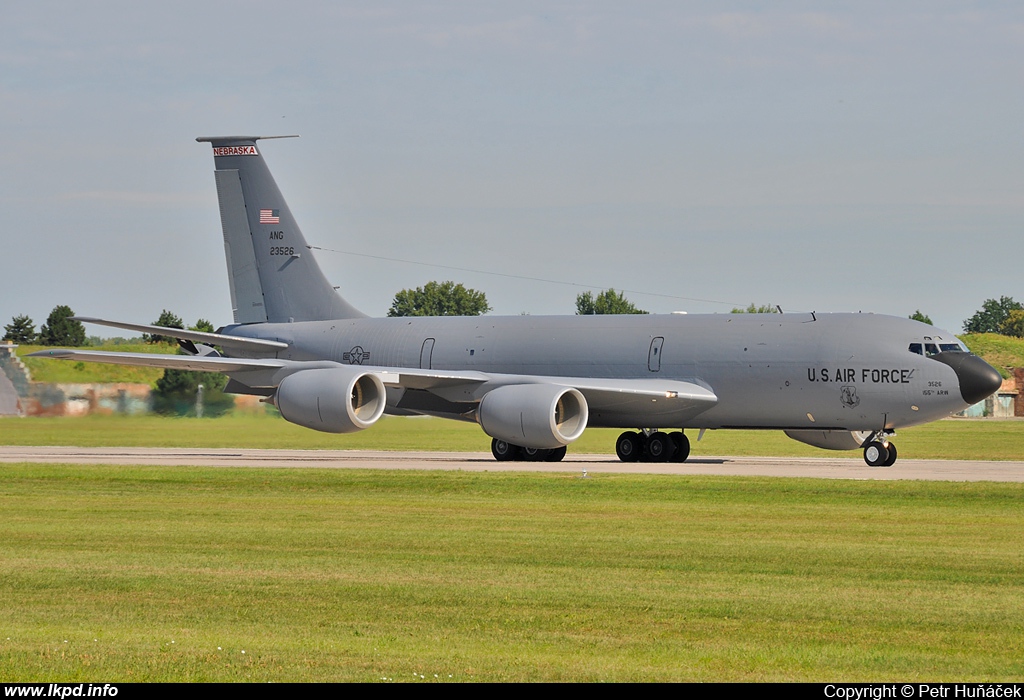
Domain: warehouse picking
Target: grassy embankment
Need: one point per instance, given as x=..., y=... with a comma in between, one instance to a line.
x=948, y=439
x=1000, y=351
x=67, y=372
x=136, y=573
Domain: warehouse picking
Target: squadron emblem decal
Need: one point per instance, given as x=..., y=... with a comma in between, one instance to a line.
x=355, y=356
x=848, y=395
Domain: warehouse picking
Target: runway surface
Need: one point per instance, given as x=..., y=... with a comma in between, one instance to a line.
x=852, y=467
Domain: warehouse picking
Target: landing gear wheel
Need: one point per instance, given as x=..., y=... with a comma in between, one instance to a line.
x=555, y=455
x=891, y=460
x=875, y=454
x=532, y=454
x=503, y=451
x=682, y=445
x=659, y=447
x=628, y=447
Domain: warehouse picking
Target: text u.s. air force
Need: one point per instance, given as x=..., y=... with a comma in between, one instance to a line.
x=862, y=375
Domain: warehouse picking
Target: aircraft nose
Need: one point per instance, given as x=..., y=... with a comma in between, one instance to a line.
x=978, y=379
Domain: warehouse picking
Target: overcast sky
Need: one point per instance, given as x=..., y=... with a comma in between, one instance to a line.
x=820, y=156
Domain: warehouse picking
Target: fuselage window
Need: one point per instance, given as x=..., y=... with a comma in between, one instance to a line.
x=916, y=348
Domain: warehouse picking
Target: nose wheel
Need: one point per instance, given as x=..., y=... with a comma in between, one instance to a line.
x=879, y=454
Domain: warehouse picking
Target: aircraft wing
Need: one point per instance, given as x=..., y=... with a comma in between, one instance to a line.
x=195, y=363
x=608, y=390
x=651, y=402
x=613, y=401
x=262, y=372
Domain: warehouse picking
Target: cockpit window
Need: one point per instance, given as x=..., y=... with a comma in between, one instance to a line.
x=932, y=347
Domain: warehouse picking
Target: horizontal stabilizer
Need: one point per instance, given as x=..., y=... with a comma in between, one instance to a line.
x=218, y=139
x=227, y=341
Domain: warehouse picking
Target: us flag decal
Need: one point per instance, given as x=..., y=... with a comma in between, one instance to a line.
x=270, y=216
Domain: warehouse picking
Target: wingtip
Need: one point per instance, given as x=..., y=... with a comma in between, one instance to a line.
x=51, y=353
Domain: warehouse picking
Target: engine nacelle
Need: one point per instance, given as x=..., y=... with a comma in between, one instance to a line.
x=333, y=400
x=542, y=416
x=830, y=439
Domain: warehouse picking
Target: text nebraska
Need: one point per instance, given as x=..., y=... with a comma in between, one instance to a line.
x=235, y=151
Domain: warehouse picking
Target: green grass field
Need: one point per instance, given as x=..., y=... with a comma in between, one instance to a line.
x=139, y=573
x=149, y=573
x=948, y=439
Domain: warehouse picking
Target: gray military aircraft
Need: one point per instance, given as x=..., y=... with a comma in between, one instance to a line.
x=534, y=383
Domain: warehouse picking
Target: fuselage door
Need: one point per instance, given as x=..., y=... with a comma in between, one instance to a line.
x=654, y=354
x=425, y=353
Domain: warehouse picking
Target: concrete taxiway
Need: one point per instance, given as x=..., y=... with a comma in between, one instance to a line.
x=851, y=467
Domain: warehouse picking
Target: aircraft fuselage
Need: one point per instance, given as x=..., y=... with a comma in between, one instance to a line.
x=779, y=371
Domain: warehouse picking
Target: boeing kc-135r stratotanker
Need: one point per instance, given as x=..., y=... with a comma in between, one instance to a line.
x=534, y=383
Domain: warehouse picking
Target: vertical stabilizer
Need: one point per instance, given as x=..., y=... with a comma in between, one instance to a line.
x=272, y=273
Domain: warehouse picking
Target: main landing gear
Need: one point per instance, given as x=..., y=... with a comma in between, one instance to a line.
x=879, y=452
x=652, y=446
x=507, y=452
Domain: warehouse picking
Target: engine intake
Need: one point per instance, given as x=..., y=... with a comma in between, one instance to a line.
x=333, y=400
x=542, y=416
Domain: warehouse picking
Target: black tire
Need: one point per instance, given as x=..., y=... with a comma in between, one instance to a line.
x=504, y=451
x=531, y=454
x=875, y=454
x=628, y=447
x=659, y=447
x=891, y=459
x=555, y=455
x=682, y=445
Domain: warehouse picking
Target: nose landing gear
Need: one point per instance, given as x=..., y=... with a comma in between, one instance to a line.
x=878, y=451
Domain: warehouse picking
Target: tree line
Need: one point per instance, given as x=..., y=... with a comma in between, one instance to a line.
x=451, y=299
x=59, y=329
x=1004, y=316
